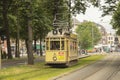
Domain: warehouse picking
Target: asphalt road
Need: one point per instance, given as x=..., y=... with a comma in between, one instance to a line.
x=106, y=69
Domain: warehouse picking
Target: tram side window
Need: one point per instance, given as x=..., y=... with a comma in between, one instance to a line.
x=71, y=46
x=47, y=45
x=55, y=45
x=62, y=45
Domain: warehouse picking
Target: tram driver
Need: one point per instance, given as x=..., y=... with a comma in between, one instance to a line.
x=55, y=45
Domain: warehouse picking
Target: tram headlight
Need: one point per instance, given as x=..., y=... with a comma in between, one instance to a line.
x=54, y=58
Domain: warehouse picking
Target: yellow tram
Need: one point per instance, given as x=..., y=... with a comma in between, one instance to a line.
x=61, y=47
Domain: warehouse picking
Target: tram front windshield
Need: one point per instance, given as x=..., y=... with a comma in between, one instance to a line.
x=55, y=45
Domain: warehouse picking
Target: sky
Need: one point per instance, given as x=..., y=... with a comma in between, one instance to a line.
x=94, y=14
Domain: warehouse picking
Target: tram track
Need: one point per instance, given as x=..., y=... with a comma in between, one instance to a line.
x=105, y=69
x=94, y=72
x=103, y=63
x=114, y=73
x=107, y=72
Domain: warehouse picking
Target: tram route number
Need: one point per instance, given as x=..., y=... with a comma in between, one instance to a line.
x=55, y=31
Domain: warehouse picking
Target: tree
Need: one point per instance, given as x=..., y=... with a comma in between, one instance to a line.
x=29, y=16
x=68, y=8
x=116, y=19
x=41, y=24
x=88, y=34
x=109, y=7
x=14, y=10
x=14, y=24
x=14, y=32
x=5, y=10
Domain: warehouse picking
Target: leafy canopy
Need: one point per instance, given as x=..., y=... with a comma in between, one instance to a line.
x=116, y=19
x=88, y=34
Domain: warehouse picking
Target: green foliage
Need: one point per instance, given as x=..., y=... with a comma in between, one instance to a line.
x=20, y=17
x=58, y=11
x=112, y=7
x=41, y=20
x=81, y=5
x=42, y=13
x=109, y=7
x=1, y=23
x=88, y=33
x=61, y=9
x=116, y=19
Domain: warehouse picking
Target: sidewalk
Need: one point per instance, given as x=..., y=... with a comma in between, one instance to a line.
x=83, y=56
x=19, y=61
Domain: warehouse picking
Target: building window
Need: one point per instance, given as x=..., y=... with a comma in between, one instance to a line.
x=109, y=38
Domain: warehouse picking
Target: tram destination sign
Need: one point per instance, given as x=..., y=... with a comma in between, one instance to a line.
x=58, y=32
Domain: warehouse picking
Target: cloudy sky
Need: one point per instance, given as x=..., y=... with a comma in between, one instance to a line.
x=94, y=15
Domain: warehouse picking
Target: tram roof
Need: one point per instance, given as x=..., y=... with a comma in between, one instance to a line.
x=55, y=36
x=71, y=35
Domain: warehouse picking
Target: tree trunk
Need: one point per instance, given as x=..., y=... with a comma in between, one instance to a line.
x=35, y=48
x=30, y=49
x=41, y=54
x=26, y=45
x=16, y=47
x=17, y=42
x=6, y=26
x=29, y=30
x=17, y=54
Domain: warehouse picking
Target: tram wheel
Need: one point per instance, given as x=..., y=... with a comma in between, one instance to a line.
x=71, y=63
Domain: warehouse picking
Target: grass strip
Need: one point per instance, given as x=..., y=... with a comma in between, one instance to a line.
x=41, y=72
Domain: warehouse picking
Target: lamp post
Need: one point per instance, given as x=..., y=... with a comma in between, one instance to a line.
x=92, y=37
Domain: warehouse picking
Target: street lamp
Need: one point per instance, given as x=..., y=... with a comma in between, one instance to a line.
x=92, y=37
